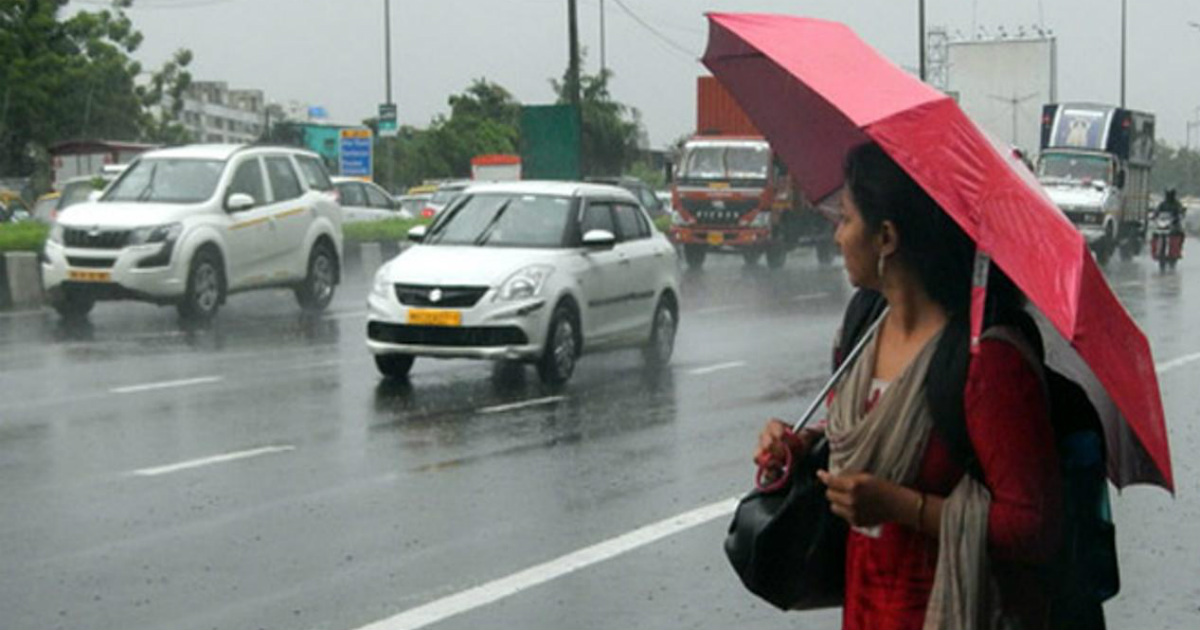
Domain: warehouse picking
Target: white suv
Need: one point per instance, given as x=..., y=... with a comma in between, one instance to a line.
x=528, y=271
x=189, y=225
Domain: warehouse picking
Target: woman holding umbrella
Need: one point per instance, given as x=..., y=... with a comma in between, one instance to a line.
x=935, y=541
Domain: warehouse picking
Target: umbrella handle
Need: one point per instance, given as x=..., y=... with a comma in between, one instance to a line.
x=839, y=372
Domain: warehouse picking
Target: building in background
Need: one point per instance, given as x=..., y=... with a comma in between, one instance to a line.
x=1002, y=83
x=213, y=112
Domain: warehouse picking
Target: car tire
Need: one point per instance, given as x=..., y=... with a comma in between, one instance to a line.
x=205, y=290
x=695, y=255
x=316, y=292
x=751, y=256
x=663, y=327
x=776, y=255
x=826, y=250
x=394, y=365
x=561, y=351
x=73, y=305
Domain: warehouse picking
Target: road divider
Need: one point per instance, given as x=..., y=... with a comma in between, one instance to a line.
x=522, y=404
x=187, y=382
x=209, y=461
x=717, y=368
x=493, y=591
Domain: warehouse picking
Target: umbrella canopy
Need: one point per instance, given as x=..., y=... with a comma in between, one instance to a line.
x=816, y=91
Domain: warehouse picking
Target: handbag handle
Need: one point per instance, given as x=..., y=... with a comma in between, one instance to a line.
x=841, y=370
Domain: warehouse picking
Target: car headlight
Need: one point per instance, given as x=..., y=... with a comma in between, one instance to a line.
x=677, y=218
x=56, y=233
x=525, y=283
x=155, y=234
x=381, y=286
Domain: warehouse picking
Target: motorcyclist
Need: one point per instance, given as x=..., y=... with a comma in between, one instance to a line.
x=1171, y=207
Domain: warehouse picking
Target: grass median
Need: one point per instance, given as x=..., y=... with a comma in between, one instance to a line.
x=26, y=236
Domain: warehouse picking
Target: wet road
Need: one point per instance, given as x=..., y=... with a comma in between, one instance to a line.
x=260, y=474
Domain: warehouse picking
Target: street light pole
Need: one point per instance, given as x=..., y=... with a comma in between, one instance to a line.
x=1122, y=53
x=921, y=35
x=603, y=65
x=387, y=46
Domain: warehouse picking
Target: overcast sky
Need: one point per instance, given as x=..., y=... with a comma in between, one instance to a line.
x=330, y=52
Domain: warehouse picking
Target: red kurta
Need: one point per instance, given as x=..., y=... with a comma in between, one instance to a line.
x=889, y=578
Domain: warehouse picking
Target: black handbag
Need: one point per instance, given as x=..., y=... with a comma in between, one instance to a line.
x=785, y=543
x=786, y=546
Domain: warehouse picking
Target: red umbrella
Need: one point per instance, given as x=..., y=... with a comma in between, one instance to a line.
x=816, y=90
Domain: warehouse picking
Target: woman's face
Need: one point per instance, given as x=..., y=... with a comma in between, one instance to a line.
x=859, y=251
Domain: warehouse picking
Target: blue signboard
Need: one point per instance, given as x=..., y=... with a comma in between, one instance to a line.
x=354, y=155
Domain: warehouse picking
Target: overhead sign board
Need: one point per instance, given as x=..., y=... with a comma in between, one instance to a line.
x=387, y=120
x=354, y=153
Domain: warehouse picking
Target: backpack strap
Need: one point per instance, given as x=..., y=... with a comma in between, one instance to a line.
x=1012, y=336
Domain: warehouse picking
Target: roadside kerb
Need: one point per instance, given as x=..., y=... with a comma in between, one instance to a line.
x=21, y=281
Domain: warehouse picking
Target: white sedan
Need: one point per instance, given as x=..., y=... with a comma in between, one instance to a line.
x=365, y=201
x=528, y=271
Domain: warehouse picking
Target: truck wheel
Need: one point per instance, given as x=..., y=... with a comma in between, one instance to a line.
x=394, y=365
x=73, y=305
x=317, y=290
x=1103, y=251
x=205, y=288
x=751, y=256
x=825, y=252
x=1129, y=249
x=695, y=255
x=776, y=255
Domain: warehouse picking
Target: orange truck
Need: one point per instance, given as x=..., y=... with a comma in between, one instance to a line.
x=731, y=193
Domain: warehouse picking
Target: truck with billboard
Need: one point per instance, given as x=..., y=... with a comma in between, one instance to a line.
x=1095, y=165
x=731, y=193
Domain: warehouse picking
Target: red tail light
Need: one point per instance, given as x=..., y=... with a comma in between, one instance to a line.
x=427, y=213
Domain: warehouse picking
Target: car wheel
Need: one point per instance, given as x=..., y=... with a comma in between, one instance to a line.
x=695, y=255
x=317, y=290
x=825, y=252
x=776, y=255
x=662, y=333
x=72, y=304
x=562, y=347
x=394, y=365
x=205, y=287
x=751, y=256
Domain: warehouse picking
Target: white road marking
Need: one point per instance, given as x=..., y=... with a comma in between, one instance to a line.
x=208, y=461
x=496, y=590
x=166, y=384
x=810, y=296
x=717, y=368
x=521, y=405
x=720, y=309
x=1167, y=366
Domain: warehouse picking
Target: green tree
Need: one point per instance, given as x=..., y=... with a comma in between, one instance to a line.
x=163, y=100
x=1175, y=167
x=64, y=78
x=610, y=129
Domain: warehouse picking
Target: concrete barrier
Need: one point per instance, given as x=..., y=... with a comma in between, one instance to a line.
x=23, y=280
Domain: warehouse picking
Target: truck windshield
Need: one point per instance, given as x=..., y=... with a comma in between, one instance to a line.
x=712, y=161
x=167, y=180
x=1075, y=167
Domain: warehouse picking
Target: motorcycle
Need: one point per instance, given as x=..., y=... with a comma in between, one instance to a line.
x=1166, y=241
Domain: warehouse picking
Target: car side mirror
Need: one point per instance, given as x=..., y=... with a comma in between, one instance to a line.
x=417, y=233
x=238, y=202
x=95, y=195
x=1119, y=180
x=599, y=239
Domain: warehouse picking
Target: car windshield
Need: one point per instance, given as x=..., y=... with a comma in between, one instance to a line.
x=505, y=220
x=1076, y=167
x=712, y=161
x=167, y=180
x=75, y=192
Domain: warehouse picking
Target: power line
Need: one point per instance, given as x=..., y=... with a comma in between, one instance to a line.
x=654, y=31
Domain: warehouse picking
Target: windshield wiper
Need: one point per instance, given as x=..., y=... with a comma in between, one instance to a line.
x=149, y=189
x=487, y=229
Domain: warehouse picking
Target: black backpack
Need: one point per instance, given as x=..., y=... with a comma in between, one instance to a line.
x=1084, y=572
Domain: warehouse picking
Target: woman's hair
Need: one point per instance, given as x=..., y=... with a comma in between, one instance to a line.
x=931, y=243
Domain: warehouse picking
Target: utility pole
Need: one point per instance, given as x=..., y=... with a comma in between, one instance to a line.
x=573, y=64
x=603, y=65
x=1122, y=53
x=387, y=47
x=921, y=35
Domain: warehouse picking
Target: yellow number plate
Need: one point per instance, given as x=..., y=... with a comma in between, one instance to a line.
x=431, y=317
x=716, y=238
x=89, y=276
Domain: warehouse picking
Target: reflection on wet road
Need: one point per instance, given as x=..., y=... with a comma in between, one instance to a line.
x=259, y=473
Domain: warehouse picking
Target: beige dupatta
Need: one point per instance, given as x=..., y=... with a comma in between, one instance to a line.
x=888, y=442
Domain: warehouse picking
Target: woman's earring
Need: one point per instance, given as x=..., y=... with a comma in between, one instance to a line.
x=879, y=269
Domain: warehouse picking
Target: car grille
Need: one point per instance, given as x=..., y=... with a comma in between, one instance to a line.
x=451, y=297
x=455, y=337
x=728, y=213
x=90, y=263
x=1085, y=218
x=104, y=239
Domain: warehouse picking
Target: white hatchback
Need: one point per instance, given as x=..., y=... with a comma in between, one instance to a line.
x=528, y=271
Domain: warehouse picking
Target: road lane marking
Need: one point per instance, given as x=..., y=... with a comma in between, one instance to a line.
x=521, y=405
x=720, y=309
x=1167, y=366
x=496, y=590
x=717, y=368
x=166, y=384
x=208, y=461
x=810, y=296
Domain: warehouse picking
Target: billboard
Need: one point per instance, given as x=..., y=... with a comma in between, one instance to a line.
x=1003, y=84
x=551, y=140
